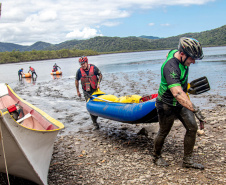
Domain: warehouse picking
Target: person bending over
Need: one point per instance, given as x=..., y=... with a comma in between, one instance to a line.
x=32, y=70
x=172, y=101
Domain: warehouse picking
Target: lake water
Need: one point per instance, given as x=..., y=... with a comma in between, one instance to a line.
x=213, y=65
x=124, y=73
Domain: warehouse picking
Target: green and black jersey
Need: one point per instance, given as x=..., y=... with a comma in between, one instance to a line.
x=173, y=73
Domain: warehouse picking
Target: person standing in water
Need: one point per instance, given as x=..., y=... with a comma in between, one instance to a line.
x=32, y=70
x=20, y=73
x=55, y=67
x=90, y=77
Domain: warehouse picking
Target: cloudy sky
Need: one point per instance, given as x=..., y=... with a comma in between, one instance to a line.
x=54, y=21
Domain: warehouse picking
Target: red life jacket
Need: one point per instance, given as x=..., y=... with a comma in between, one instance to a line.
x=32, y=69
x=92, y=79
x=54, y=68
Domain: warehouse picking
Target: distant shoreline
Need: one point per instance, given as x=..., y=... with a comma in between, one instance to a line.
x=17, y=56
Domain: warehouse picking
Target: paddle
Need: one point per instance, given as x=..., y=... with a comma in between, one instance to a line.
x=198, y=86
x=23, y=118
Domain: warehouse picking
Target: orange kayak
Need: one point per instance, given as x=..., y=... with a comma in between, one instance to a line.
x=26, y=75
x=56, y=73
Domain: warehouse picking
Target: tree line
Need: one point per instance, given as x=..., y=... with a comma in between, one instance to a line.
x=16, y=56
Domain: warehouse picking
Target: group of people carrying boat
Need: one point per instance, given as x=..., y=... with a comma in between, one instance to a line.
x=172, y=101
x=31, y=73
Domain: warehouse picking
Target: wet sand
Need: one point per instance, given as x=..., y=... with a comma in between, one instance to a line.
x=119, y=153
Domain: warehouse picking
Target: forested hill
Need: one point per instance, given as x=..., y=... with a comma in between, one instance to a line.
x=215, y=37
x=36, y=46
x=113, y=44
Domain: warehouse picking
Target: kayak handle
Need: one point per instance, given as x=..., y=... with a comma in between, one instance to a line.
x=90, y=96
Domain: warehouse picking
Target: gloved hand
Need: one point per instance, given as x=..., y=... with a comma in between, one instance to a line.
x=199, y=116
x=201, y=125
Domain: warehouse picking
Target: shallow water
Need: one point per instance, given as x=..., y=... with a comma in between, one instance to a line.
x=123, y=74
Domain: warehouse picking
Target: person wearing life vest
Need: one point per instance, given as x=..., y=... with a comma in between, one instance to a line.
x=32, y=70
x=55, y=67
x=90, y=77
x=172, y=101
x=20, y=73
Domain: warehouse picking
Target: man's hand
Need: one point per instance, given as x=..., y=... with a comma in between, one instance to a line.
x=79, y=94
x=77, y=88
x=199, y=116
x=201, y=125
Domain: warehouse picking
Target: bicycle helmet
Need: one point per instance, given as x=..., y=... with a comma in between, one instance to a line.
x=82, y=60
x=191, y=47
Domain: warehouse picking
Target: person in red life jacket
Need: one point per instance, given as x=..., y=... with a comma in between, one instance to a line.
x=55, y=68
x=32, y=71
x=90, y=77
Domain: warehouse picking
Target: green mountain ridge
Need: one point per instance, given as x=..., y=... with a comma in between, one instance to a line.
x=214, y=37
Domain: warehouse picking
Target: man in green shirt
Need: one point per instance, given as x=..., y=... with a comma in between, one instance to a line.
x=172, y=101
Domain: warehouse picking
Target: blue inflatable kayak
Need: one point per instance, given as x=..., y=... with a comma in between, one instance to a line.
x=144, y=112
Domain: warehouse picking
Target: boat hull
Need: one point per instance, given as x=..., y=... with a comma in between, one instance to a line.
x=124, y=112
x=26, y=151
x=56, y=73
x=26, y=75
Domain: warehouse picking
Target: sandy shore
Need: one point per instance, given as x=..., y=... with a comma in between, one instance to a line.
x=119, y=153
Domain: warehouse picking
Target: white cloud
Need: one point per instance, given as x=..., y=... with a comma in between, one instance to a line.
x=47, y=15
x=85, y=33
x=151, y=24
x=54, y=21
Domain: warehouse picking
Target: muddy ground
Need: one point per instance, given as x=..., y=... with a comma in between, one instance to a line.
x=119, y=153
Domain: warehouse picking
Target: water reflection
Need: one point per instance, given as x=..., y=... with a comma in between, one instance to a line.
x=28, y=80
x=56, y=77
